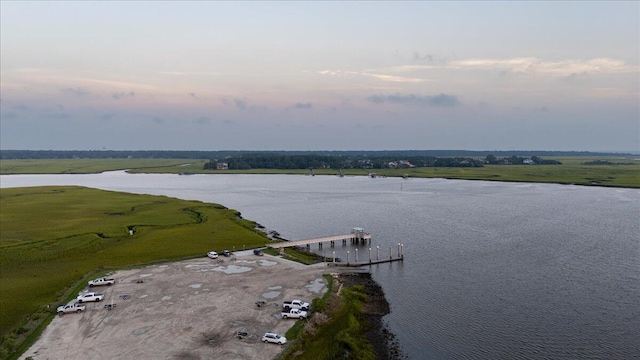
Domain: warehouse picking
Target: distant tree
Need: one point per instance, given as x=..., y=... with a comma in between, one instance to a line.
x=491, y=159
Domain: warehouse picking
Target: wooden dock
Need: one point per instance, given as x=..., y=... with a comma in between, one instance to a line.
x=355, y=237
x=360, y=264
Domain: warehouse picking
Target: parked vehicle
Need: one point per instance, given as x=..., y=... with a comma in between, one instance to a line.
x=69, y=308
x=91, y=296
x=295, y=304
x=258, y=252
x=294, y=314
x=101, y=281
x=212, y=254
x=226, y=253
x=274, y=338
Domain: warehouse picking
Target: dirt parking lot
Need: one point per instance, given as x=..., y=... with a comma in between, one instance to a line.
x=190, y=309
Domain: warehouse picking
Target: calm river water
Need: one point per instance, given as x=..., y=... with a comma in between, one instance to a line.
x=492, y=270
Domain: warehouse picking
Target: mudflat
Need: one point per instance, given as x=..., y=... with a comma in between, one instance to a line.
x=193, y=309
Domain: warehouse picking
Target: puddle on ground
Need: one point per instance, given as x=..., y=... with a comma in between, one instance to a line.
x=195, y=286
x=267, y=263
x=316, y=285
x=142, y=330
x=232, y=269
x=246, y=261
x=198, y=265
x=275, y=287
x=143, y=296
x=145, y=275
x=164, y=298
x=271, y=294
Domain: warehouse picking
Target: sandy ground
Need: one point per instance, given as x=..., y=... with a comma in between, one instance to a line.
x=185, y=310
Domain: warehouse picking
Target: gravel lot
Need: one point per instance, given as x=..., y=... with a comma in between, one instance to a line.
x=190, y=309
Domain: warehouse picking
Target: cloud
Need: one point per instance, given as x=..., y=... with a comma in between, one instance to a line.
x=107, y=116
x=240, y=104
x=530, y=65
x=199, y=73
x=383, y=77
x=9, y=115
x=304, y=106
x=121, y=95
x=442, y=100
x=57, y=116
x=20, y=108
x=77, y=91
x=427, y=57
x=202, y=120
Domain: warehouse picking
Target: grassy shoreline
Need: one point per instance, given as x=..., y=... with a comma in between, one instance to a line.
x=52, y=243
x=54, y=239
x=623, y=173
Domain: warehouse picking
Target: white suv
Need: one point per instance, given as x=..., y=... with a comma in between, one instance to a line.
x=274, y=338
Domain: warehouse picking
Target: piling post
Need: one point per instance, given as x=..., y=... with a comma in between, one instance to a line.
x=369, y=255
x=334, y=256
x=402, y=251
x=378, y=253
x=356, y=255
x=347, y=257
x=398, y=249
x=390, y=253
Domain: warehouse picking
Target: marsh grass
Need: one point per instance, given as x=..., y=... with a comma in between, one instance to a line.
x=55, y=237
x=90, y=166
x=624, y=172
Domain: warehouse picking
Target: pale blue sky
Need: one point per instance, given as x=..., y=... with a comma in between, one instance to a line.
x=320, y=75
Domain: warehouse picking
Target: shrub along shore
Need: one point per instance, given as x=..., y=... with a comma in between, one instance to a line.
x=346, y=323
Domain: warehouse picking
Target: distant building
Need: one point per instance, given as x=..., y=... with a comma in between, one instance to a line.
x=528, y=162
x=222, y=166
x=400, y=164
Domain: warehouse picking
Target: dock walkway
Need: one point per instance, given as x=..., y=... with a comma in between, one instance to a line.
x=353, y=237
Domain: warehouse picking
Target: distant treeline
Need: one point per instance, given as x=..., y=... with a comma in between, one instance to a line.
x=286, y=161
x=221, y=154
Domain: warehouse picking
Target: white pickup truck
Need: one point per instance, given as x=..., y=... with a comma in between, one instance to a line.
x=90, y=297
x=294, y=314
x=101, y=281
x=295, y=304
x=69, y=308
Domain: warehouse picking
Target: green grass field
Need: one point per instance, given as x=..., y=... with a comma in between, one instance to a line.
x=90, y=166
x=54, y=238
x=572, y=170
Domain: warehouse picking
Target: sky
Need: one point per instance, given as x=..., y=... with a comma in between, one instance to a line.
x=304, y=75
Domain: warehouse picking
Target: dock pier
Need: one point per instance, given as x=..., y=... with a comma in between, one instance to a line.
x=399, y=257
x=357, y=236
